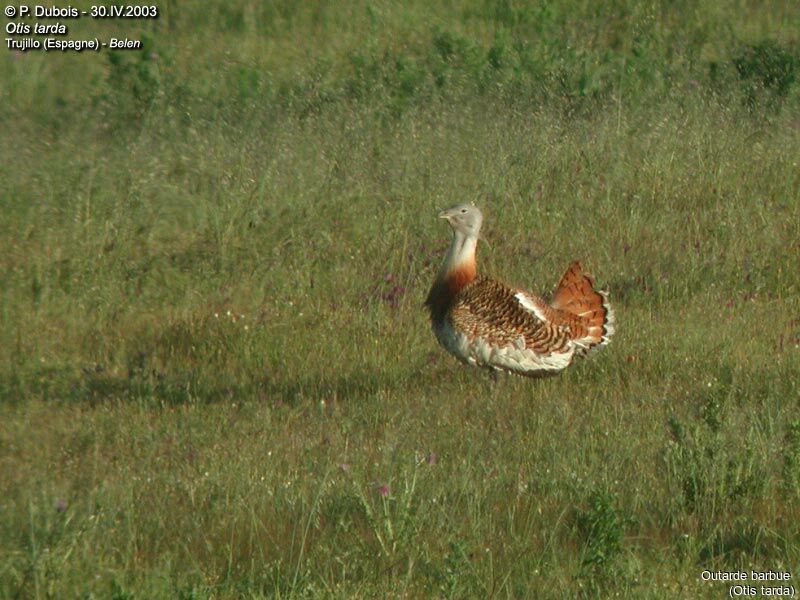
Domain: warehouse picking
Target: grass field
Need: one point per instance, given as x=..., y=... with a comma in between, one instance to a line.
x=217, y=379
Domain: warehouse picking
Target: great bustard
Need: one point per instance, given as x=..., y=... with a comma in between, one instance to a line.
x=486, y=323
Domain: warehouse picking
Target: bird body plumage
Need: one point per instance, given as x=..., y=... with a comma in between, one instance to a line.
x=486, y=323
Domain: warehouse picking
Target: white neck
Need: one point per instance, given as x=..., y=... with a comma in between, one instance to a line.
x=462, y=251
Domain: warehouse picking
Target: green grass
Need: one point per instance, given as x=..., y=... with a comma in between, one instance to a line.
x=217, y=378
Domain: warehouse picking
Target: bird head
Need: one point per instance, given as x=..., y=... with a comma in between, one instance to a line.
x=464, y=218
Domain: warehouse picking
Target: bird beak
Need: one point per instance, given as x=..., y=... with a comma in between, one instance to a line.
x=444, y=215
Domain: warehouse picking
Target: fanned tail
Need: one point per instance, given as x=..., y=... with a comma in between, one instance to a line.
x=576, y=294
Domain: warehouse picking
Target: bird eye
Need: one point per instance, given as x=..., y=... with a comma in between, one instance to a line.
x=463, y=211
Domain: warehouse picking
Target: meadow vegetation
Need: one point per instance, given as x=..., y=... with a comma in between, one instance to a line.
x=216, y=375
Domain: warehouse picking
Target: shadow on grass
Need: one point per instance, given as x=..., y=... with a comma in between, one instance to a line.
x=95, y=385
